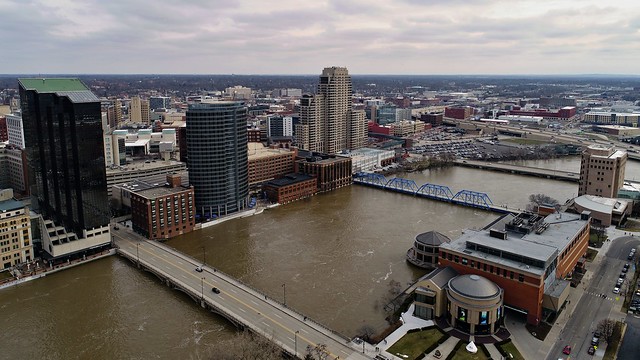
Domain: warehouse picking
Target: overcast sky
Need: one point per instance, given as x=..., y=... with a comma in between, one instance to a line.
x=302, y=37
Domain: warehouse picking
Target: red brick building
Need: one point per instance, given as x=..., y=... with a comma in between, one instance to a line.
x=460, y=113
x=254, y=135
x=163, y=211
x=526, y=255
x=290, y=188
x=435, y=119
x=331, y=171
x=4, y=132
x=269, y=163
x=565, y=113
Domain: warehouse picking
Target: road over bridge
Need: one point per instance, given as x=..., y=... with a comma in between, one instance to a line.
x=242, y=305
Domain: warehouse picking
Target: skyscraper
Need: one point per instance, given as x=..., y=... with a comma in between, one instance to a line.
x=63, y=136
x=139, y=112
x=602, y=171
x=217, y=157
x=327, y=121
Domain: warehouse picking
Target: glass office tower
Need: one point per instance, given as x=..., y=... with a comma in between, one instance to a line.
x=65, y=152
x=217, y=157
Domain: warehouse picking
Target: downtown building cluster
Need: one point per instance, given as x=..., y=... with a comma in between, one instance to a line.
x=79, y=162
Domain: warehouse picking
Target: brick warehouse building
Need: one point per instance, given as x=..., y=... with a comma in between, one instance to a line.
x=331, y=171
x=290, y=188
x=526, y=255
x=269, y=163
x=163, y=211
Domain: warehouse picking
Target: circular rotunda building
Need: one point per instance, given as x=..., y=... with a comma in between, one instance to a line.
x=474, y=304
x=424, y=252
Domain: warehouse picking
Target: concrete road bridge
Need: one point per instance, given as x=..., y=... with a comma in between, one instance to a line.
x=242, y=305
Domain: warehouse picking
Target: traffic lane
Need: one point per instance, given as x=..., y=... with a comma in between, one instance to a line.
x=620, y=247
x=630, y=345
x=238, y=307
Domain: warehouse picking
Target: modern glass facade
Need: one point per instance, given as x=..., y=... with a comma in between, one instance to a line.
x=65, y=151
x=217, y=157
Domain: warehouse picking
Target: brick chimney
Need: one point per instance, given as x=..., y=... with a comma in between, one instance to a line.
x=174, y=180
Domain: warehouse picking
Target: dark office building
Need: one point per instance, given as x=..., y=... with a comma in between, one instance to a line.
x=65, y=151
x=218, y=157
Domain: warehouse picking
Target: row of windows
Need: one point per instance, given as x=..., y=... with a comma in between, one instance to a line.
x=482, y=266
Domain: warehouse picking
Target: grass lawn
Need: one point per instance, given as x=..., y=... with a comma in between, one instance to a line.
x=508, y=347
x=414, y=344
x=591, y=254
x=463, y=354
x=522, y=141
x=612, y=347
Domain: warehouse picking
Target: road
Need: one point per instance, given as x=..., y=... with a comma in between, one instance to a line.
x=281, y=325
x=593, y=307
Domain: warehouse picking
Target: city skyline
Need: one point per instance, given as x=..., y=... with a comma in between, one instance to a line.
x=373, y=37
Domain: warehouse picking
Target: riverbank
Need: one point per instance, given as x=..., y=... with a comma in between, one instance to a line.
x=22, y=276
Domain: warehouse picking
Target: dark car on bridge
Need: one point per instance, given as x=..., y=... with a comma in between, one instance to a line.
x=215, y=290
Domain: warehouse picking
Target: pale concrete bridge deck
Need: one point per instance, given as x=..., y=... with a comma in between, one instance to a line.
x=237, y=302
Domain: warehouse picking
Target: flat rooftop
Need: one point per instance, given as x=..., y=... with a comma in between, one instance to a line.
x=9, y=205
x=289, y=179
x=258, y=151
x=161, y=190
x=144, y=165
x=543, y=247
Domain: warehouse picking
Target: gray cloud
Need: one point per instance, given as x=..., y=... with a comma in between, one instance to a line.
x=373, y=36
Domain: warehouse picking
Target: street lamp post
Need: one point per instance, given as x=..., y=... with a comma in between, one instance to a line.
x=138, y=253
x=284, y=294
x=295, y=341
x=202, y=288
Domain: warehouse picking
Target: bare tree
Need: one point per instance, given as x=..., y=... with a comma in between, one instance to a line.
x=536, y=200
x=245, y=346
x=366, y=331
x=391, y=298
x=318, y=352
x=606, y=327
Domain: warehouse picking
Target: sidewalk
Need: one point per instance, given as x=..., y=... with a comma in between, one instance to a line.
x=532, y=348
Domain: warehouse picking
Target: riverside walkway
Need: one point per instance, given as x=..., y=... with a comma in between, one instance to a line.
x=242, y=305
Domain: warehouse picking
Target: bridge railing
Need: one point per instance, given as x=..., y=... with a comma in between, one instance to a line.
x=232, y=279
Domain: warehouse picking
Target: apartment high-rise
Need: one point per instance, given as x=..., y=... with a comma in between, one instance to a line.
x=62, y=123
x=328, y=122
x=602, y=171
x=217, y=157
x=139, y=112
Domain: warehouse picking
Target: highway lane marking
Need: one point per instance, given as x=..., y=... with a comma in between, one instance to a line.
x=240, y=301
x=290, y=338
x=266, y=323
x=241, y=309
x=277, y=315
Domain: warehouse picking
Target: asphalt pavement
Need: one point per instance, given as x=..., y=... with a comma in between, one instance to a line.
x=280, y=324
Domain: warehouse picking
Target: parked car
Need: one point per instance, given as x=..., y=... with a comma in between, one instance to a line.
x=591, y=350
x=626, y=266
x=595, y=341
x=630, y=256
x=597, y=334
x=622, y=275
x=215, y=290
x=567, y=350
x=619, y=282
x=616, y=290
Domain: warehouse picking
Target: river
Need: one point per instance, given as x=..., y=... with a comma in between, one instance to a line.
x=331, y=255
